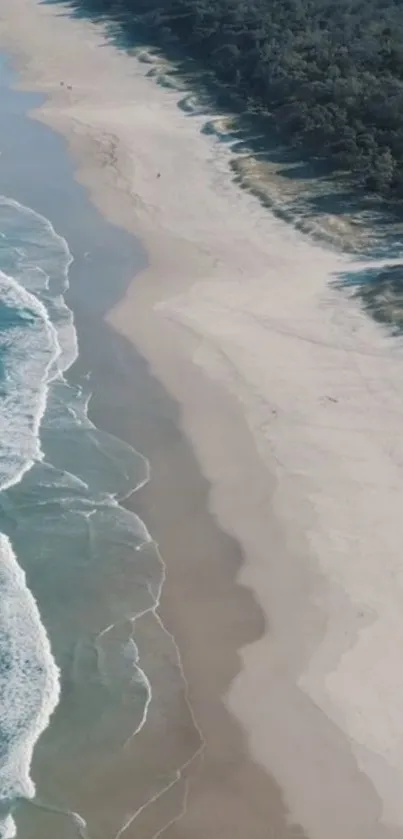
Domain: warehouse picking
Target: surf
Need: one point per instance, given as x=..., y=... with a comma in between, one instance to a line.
x=37, y=344
x=29, y=685
x=54, y=489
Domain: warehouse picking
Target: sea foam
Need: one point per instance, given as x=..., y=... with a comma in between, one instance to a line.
x=37, y=344
x=29, y=684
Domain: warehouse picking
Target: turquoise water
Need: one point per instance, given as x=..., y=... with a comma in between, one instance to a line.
x=60, y=517
x=95, y=724
x=76, y=568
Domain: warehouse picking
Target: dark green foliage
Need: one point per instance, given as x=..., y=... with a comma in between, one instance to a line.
x=381, y=292
x=329, y=71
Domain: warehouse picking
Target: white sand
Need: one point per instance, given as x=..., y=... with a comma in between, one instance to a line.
x=308, y=474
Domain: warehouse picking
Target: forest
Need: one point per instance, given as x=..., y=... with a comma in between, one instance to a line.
x=329, y=74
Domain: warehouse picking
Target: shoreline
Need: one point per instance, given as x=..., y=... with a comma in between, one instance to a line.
x=224, y=789
x=122, y=375
x=287, y=433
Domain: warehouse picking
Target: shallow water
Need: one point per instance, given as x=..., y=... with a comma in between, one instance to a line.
x=79, y=574
x=61, y=482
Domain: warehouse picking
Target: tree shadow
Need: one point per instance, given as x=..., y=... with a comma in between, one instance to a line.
x=380, y=291
x=312, y=189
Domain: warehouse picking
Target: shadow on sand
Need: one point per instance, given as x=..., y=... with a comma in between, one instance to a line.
x=305, y=194
x=380, y=290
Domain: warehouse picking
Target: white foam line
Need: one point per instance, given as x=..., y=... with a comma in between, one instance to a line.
x=158, y=795
x=143, y=807
x=79, y=481
x=76, y=817
x=153, y=610
x=20, y=605
x=51, y=371
x=157, y=597
x=33, y=301
x=5, y=201
x=180, y=815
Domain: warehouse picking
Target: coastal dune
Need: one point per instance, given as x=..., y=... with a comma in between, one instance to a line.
x=292, y=401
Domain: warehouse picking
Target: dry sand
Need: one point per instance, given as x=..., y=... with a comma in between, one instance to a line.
x=292, y=400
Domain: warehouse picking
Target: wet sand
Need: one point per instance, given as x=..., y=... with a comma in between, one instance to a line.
x=199, y=761
x=289, y=627
x=172, y=755
x=210, y=615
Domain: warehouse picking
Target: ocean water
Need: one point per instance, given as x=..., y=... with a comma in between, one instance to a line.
x=76, y=568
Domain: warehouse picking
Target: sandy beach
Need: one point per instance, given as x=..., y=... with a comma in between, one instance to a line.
x=290, y=398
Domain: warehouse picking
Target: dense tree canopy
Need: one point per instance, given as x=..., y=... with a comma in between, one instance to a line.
x=329, y=71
